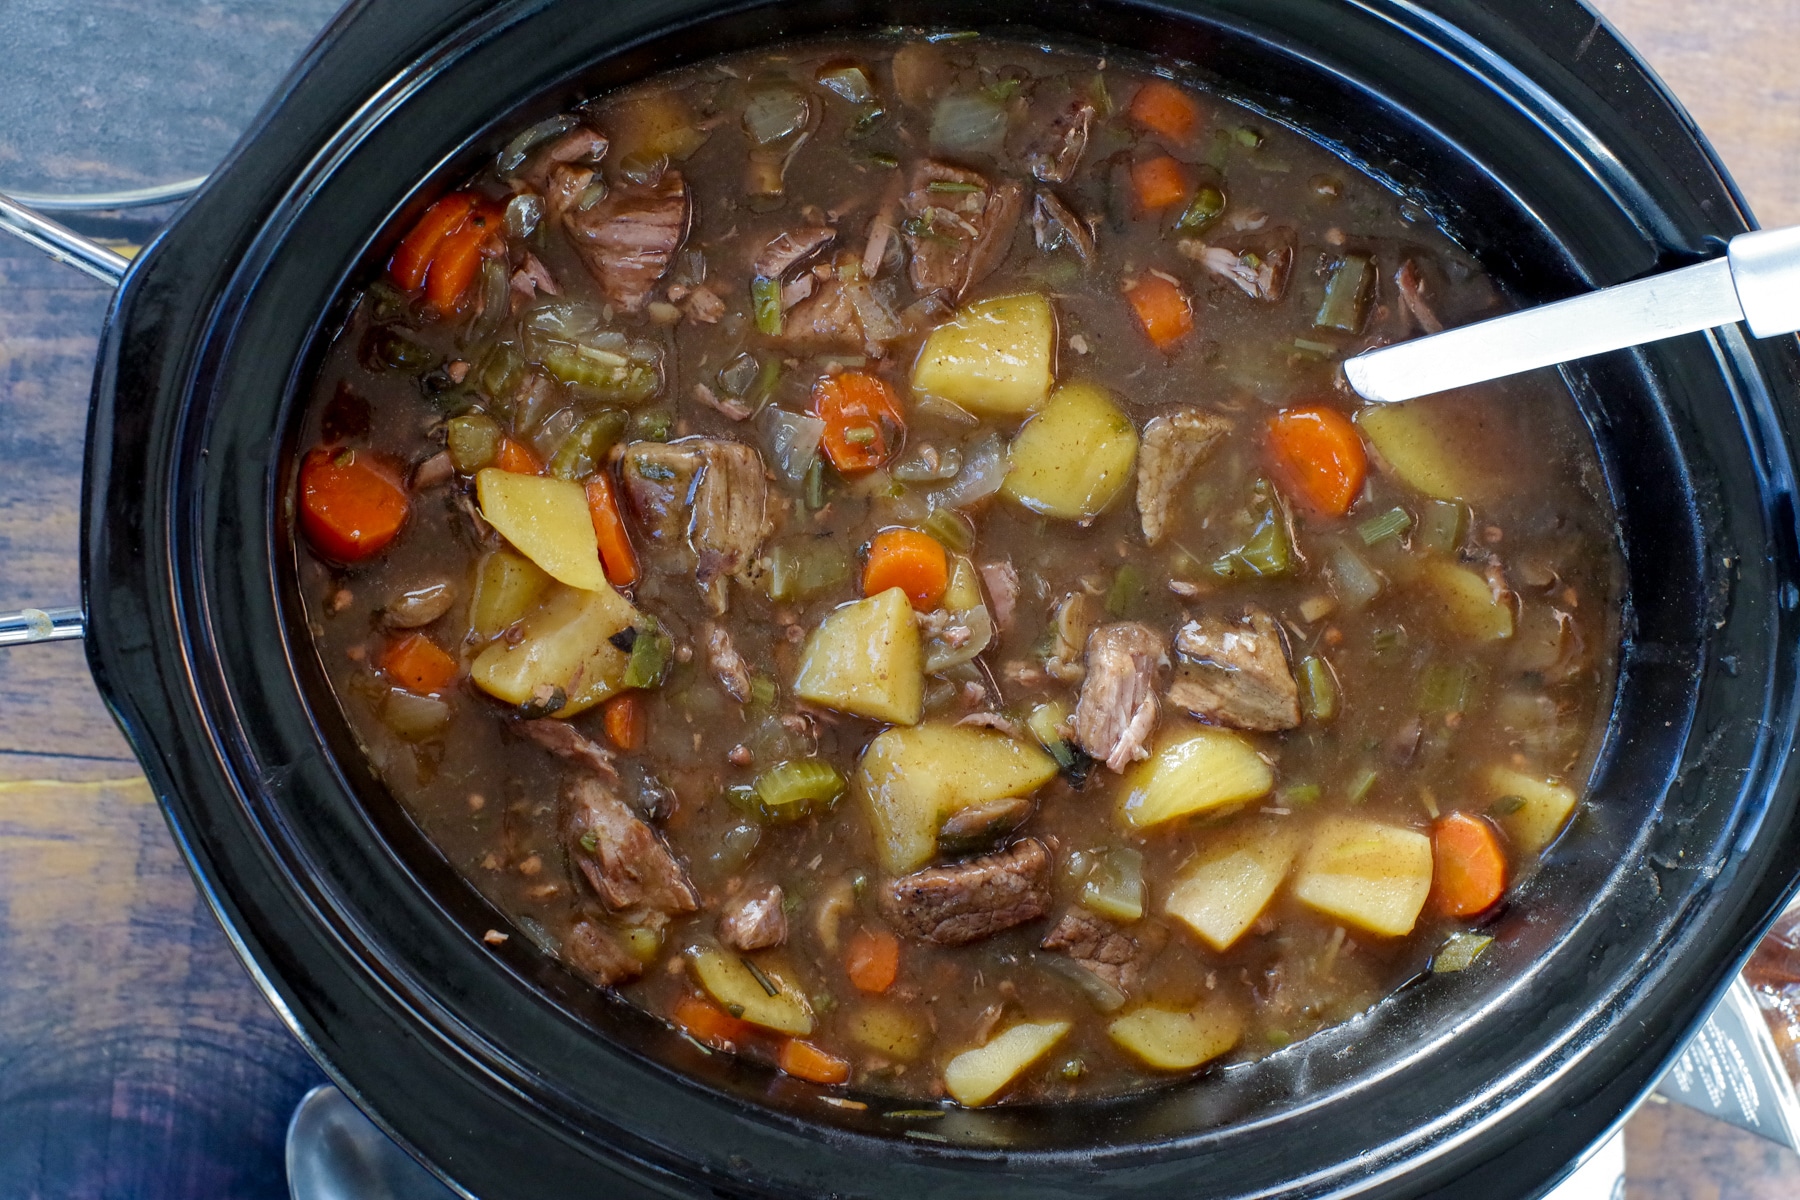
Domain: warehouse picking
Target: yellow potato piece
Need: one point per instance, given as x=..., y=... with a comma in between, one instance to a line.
x=866, y=658
x=995, y=358
x=1544, y=808
x=1193, y=771
x=1074, y=458
x=547, y=521
x=1221, y=891
x=1178, y=1040
x=1469, y=604
x=976, y=1076
x=1414, y=446
x=727, y=980
x=563, y=643
x=890, y=1029
x=911, y=779
x=507, y=585
x=1366, y=874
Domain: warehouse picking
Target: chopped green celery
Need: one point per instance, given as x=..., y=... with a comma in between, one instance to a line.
x=952, y=186
x=387, y=348
x=1247, y=137
x=815, y=485
x=1459, y=951
x=1202, y=210
x=473, y=440
x=1390, y=524
x=767, y=376
x=1101, y=98
x=1270, y=550
x=1299, y=795
x=765, y=302
x=951, y=529
x=763, y=693
x=885, y=161
x=1318, y=689
x=622, y=378
x=1322, y=349
x=1002, y=90
x=861, y=435
x=1448, y=687
x=1442, y=526
x=804, y=567
x=501, y=372
x=655, y=425
x=1385, y=639
x=792, y=789
x=1115, y=886
x=386, y=301
x=651, y=653
x=1129, y=589
x=1346, y=294
x=1360, y=785
x=586, y=446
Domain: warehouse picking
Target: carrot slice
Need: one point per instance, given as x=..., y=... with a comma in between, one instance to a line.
x=457, y=259
x=623, y=716
x=518, y=458
x=413, y=255
x=616, y=554
x=856, y=408
x=873, y=960
x=1162, y=308
x=416, y=663
x=351, y=507
x=706, y=1022
x=1167, y=109
x=1469, y=868
x=1159, y=182
x=1318, y=457
x=912, y=561
x=803, y=1060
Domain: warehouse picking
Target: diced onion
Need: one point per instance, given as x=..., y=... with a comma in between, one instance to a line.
x=520, y=148
x=773, y=114
x=966, y=121
x=983, y=471
x=793, y=441
x=941, y=656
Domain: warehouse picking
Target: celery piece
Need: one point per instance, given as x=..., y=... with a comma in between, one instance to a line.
x=629, y=377
x=1459, y=952
x=1447, y=687
x=473, y=440
x=1129, y=588
x=767, y=376
x=1247, y=137
x=952, y=530
x=790, y=790
x=1318, y=689
x=1360, y=785
x=1202, y=210
x=387, y=348
x=804, y=567
x=815, y=485
x=1270, y=550
x=501, y=371
x=1346, y=294
x=763, y=693
x=765, y=302
x=1391, y=524
x=586, y=446
x=1386, y=639
x=1322, y=349
x=656, y=425
x=651, y=653
x=1299, y=795
x=1115, y=886
x=1442, y=526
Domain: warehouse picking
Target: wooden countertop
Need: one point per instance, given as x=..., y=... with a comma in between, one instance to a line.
x=137, y=1060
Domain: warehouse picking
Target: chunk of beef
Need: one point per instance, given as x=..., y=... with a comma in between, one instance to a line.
x=1260, y=267
x=580, y=147
x=958, y=234
x=420, y=604
x=980, y=824
x=1236, y=673
x=564, y=188
x=822, y=321
x=791, y=248
x=658, y=481
x=727, y=667
x=1119, y=958
x=1411, y=286
x=596, y=954
x=967, y=901
x=569, y=743
x=1174, y=443
x=531, y=278
x=713, y=492
x=1053, y=226
x=1002, y=580
x=754, y=919
x=1116, y=713
x=627, y=239
x=622, y=858
x=1071, y=622
x=1057, y=157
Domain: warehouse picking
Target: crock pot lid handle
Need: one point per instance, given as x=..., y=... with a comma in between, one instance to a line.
x=62, y=243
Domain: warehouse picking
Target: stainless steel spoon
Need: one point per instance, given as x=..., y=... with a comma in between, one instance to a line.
x=1757, y=282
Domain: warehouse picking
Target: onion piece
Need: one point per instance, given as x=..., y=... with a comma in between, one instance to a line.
x=520, y=148
x=793, y=441
x=941, y=656
x=774, y=114
x=983, y=471
x=965, y=121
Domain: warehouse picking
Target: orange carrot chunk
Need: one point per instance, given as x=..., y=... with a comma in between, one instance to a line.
x=706, y=1022
x=457, y=260
x=1165, y=108
x=518, y=458
x=351, y=507
x=616, y=554
x=856, y=408
x=1468, y=866
x=1162, y=308
x=416, y=663
x=912, y=561
x=623, y=716
x=1158, y=182
x=414, y=254
x=803, y=1060
x=873, y=960
x=1318, y=457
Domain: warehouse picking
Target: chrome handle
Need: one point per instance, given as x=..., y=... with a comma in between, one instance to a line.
x=62, y=243
x=29, y=625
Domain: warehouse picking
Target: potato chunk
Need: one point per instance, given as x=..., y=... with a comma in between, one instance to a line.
x=890, y=1029
x=1414, y=446
x=1176, y=1040
x=1543, y=808
x=507, y=585
x=1366, y=874
x=1470, y=606
x=1192, y=771
x=866, y=658
x=563, y=644
x=1223, y=889
x=730, y=982
x=995, y=358
x=1074, y=458
x=911, y=779
x=976, y=1076
x=547, y=521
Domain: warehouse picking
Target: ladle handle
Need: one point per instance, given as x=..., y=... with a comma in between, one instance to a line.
x=62, y=243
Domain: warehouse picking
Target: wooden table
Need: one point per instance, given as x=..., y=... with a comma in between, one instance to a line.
x=136, y=1059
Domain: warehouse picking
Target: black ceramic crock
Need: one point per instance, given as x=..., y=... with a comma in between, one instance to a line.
x=1525, y=126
